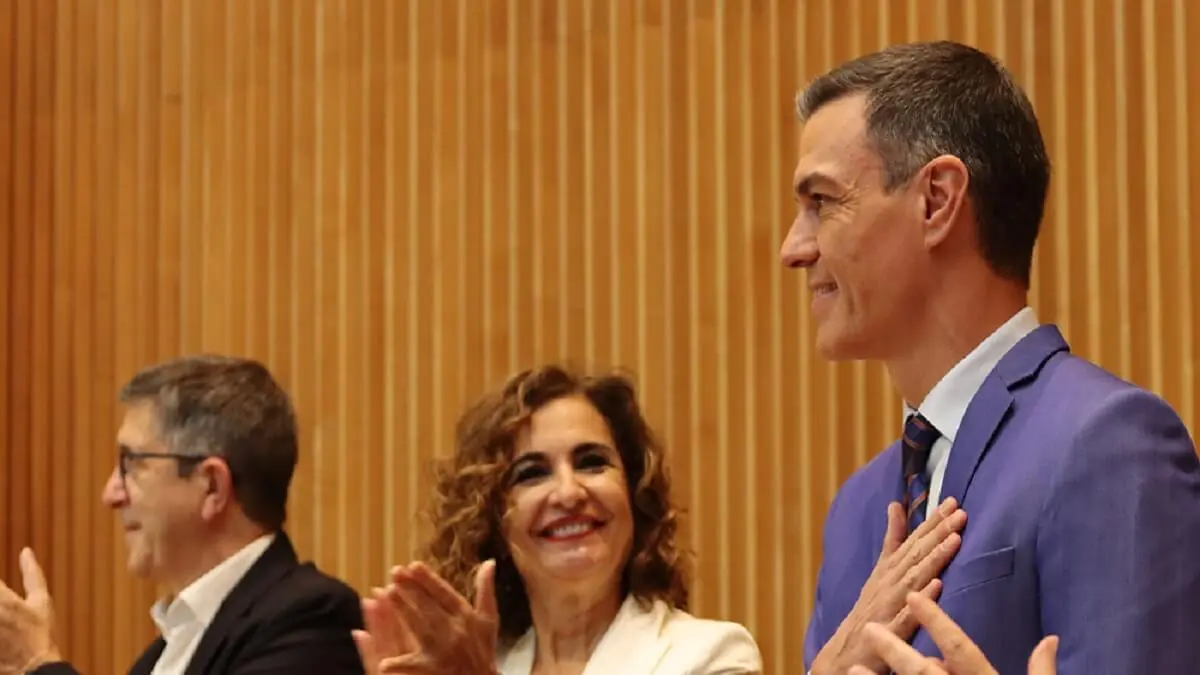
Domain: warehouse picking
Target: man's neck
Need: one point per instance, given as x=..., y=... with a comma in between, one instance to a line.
x=950, y=331
x=569, y=626
x=206, y=555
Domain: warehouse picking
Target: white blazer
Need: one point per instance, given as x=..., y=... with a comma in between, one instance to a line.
x=655, y=642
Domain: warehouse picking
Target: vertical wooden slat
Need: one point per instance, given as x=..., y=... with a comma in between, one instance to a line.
x=45, y=495
x=727, y=200
x=522, y=184
x=415, y=260
x=300, y=254
x=109, y=642
x=354, y=382
x=150, y=152
x=165, y=182
x=65, y=545
x=215, y=149
x=8, y=47
x=396, y=364
x=22, y=282
x=193, y=57
x=375, y=354
x=127, y=306
x=496, y=258
x=473, y=89
x=255, y=217
x=623, y=147
x=429, y=272
x=89, y=421
x=237, y=173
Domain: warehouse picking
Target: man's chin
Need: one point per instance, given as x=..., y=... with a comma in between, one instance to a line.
x=138, y=565
x=837, y=346
x=832, y=345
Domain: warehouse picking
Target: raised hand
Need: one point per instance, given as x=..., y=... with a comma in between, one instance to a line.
x=420, y=625
x=960, y=656
x=27, y=624
x=906, y=564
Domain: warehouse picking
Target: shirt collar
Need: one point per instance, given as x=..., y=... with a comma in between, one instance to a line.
x=201, y=599
x=947, y=402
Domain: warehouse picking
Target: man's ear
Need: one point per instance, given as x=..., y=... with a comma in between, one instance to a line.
x=944, y=182
x=217, y=481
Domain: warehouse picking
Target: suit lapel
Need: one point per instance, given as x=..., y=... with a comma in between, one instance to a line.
x=990, y=406
x=145, y=663
x=634, y=643
x=875, y=527
x=278, y=560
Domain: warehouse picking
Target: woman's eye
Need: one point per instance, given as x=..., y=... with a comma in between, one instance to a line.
x=528, y=472
x=593, y=460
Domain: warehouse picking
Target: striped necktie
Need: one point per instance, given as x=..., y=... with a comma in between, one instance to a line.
x=919, y=437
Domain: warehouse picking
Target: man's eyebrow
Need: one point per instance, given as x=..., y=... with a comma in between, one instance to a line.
x=805, y=186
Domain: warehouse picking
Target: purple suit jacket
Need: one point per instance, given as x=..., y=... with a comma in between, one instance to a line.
x=1082, y=495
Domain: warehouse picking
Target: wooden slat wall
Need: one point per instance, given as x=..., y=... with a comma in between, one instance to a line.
x=394, y=204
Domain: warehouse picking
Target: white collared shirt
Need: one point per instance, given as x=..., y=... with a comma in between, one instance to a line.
x=183, y=621
x=947, y=402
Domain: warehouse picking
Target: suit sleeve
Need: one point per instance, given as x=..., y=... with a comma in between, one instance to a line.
x=818, y=631
x=316, y=638
x=733, y=651
x=1119, y=544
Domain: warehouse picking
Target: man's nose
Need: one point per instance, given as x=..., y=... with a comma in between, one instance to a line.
x=114, y=495
x=799, y=247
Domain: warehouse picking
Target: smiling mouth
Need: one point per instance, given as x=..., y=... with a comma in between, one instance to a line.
x=574, y=529
x=819, y=290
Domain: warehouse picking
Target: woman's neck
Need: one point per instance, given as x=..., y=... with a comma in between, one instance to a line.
x=568, y=626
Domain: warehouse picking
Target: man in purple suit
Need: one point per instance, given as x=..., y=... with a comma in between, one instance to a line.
x=920, y=190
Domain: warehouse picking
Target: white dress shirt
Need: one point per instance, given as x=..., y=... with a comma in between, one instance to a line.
x=947, y=402
x=182, y=621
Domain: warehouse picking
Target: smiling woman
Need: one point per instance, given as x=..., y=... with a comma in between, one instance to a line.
x=552, y=445
x=558, y=479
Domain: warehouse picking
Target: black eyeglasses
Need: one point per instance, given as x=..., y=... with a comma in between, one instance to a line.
x=126, y=456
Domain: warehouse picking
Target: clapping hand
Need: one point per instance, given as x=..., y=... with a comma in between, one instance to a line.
x=26, y=623
x=960, y=655
x=420, y=625
x=905, y=564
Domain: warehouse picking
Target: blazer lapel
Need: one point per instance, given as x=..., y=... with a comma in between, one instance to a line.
x=990, y=406
x=145, y=663
x=276, y=561
x=518, y=660
x=634, y=643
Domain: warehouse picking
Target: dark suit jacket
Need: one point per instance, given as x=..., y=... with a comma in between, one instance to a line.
x=283, y=617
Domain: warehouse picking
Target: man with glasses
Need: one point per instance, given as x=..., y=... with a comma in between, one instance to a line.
x=207, y=449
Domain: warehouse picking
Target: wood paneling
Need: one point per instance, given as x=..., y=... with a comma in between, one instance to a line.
x=395, y=204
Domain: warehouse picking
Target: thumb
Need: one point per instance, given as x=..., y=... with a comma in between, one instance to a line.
x=485, y=590
x=36, y=592
x=1041, y=661
x=365, y=642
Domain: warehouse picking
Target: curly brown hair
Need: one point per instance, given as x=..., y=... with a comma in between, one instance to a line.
x=469, y=498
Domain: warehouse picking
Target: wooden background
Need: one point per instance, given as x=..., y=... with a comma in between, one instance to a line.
x=395, y=204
